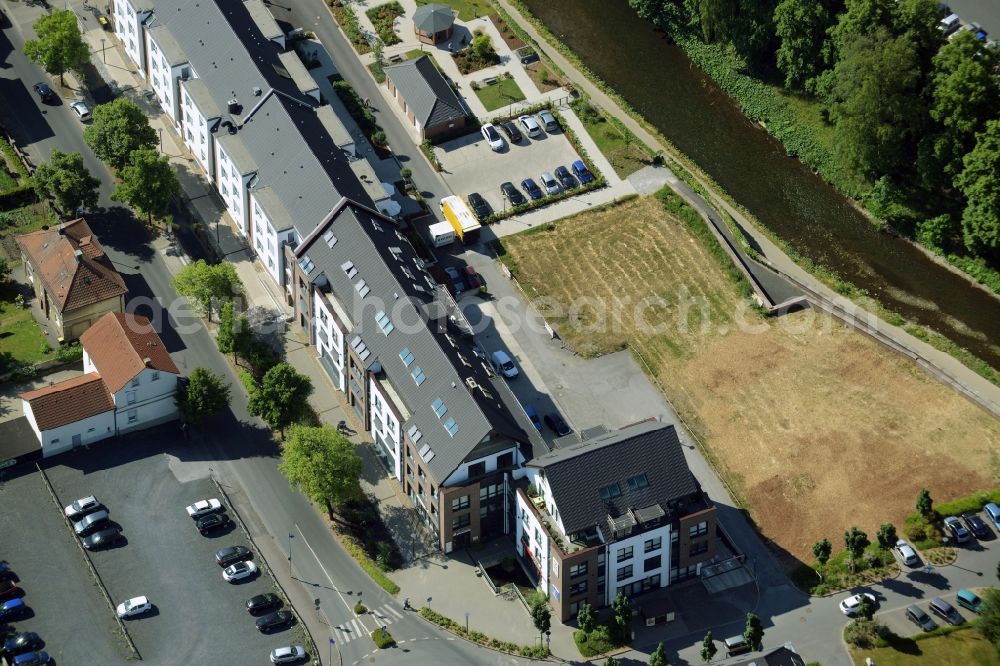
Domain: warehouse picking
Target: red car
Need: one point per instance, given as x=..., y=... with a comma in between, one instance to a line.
x=473, y=279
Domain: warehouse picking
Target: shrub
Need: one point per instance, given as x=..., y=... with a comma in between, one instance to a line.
x=69, y=353
x=382, y=18
x=383, y=639
x=596, y=642
x=360, y=608
x=865, y=633
x=372, y=569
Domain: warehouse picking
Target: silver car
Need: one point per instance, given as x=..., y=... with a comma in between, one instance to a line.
x=90, y=522
x=906, y=553
x=550, y=184
x=81, y=110
x=289, y=654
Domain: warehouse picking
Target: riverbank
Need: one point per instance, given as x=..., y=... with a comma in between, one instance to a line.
x=780, y=253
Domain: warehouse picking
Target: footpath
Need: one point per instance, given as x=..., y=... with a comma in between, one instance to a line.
x=957, y=374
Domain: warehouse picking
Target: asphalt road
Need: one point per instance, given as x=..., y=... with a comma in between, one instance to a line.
x=234, y=446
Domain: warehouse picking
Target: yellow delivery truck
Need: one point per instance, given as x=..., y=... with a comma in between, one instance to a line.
x=462, y=220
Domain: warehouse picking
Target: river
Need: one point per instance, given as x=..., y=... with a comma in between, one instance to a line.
x=686, y=106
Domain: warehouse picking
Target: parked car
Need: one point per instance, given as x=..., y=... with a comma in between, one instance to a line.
x=566, y=179
x=976, y=525
x=532, y=413
x=992, y=512
x=22, y=642
x=288, y=655
x=530, y=125
x=531, y=187
x=39, y=658
x=557, y=424
x=512, y=194
x=9, y=590
x=946, y=611
x=81, y=507
x=906, y=553
x=103, y=538
x=13, y=609
x=582, y=173
x=232, y=554
x=492, y=137
x=457, y=283
x=45, y=93
x=503, y=364
x=479, y=206
x=202, y=507
x=212, y=522
x=549, y=121
x=5, y=571
x=736, y=645
x=276, y=620
x=850, y=605
x=955, y=527
x=917, y=616
x=550, y=184
x=81, y=110
x=133, y=607
x=239, y=571
x=263, y=602
x=473, y=279
x=91, y=523
x=970, y=600
x=510, y=129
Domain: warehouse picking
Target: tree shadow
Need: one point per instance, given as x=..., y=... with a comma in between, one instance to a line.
x=118, y=228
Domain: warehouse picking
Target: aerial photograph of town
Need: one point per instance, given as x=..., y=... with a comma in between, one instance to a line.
x=500, y=332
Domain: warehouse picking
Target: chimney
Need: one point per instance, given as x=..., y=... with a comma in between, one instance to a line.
x=234, y=106
x=77, y=254
x=148, y=362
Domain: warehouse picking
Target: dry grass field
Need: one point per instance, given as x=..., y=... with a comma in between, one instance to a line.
x=815, y=426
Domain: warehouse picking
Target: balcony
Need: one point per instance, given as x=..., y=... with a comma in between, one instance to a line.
x=567, y=545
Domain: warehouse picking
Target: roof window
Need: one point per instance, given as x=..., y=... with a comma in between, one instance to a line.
x=610, y=491
x=418, y=375
x=439, y=408
x=383, y=321
x=451, y=426
x=638, y=482
x=407, y=356
x=349, y=268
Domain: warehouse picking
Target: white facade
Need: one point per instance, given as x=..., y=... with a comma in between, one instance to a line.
x=79, y=433
x=637, y=560
x=385, y=428
x=329, y=340
x=128, y=27
x=231, y=181
x=163, y=77
x=196, y=134
x=146, y=400
x=461, y=475
x=529, y=528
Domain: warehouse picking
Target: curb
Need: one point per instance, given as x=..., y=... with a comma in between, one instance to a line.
x=93, y=569
x=550, y=658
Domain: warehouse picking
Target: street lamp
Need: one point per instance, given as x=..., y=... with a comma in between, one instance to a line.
x=466, y=624
x=413, y=546
x=161, y=139
x=548, y=641
x=290, y=537
x=103, y=56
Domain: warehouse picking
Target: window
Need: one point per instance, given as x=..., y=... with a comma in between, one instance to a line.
x=407, y=356
x=625, y=572
x=578, y=588
x=438, y=407
x=701, y=529
x=610, y=491
x=477, y=469
x=625, y=554
x=382, y=319
x=505, y=461
x=130, y=397
x=555, y=566
x=418, y=375
x=638, y=482
x=699, y=548
x=153, y=376
x=651, y=563
x=460, y=503
x=451, y=426
x=135, y=381
x=490, y=491
x=577, y=570
x=652, y=544
x=459, y=522
x=133, y=416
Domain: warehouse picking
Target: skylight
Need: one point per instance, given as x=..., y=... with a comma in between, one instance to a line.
x=610, y=491
x=349, y=268
x=362, y=288
x=306, y=264
x=330, y=239
x=638, y=482
x=407, y=356
x=383, y=321
x=439, y=408
x=418, y=375
x=451, y=426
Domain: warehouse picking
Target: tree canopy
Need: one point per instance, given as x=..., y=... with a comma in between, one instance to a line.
x=980, y=183
x=148, y=183
x=206, y=393
x=65, y=179
x=118, y=129
x=281, y=397
x=208, y=285
x=323, y=463
x=60, y=47
x=801, y=27
x=753, y=632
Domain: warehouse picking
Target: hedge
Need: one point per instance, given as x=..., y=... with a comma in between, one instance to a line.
x=22, y=195
x=383, y=639
x=368, y=564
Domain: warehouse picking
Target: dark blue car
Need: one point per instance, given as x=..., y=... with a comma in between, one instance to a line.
x=581, y=171
x=532, y=188
x=12, y=609
x=31, y=659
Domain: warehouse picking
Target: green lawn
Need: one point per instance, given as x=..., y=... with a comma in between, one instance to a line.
x=21, y=221
x=965, y=647
x=499, y=94
x=625, y=157
x=21, y=341
x=466, y=9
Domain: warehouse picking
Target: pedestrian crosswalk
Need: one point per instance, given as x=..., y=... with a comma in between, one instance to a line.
x=364, y=625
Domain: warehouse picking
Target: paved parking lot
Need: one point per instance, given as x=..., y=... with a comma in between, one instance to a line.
x=470, y=166
x=197, y=616
x=897, y=621
x=67, y=609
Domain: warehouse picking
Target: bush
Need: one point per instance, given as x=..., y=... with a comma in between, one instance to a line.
x=360, y=608
x=596, y=642
x=383, y=639
x=69, y=353
x=370, y=567
x=974, y=502
x=865, y=633
x=382, y=18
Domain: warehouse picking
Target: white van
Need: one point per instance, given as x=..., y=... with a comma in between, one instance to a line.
x=949, y=23
x=503, y=364
x=442, y=234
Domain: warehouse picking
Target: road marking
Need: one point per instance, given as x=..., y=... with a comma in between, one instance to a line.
x=325, y=572
x=390, y=609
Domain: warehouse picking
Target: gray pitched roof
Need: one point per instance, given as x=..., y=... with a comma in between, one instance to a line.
x=578, y=472
x=426, y=92
x=399, y=287
x=167, y=45
x=782, y=656
x=433, y=18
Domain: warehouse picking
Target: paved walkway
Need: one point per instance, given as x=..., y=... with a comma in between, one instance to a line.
x=778, y=259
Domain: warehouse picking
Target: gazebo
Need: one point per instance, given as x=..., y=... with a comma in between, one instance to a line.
x=433, y=23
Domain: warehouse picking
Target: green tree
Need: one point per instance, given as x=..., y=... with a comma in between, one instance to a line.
x=208, y=285
x=979, y=182
x=925, y=505
x=659, y=656
x=866, y=608
x=855, y=541
x=4, y=271
x=148, y=183
x=917, y=21
x=234, y=334
x=873, y=104
x=118, y=129
x=586, y=619
x=60, y=47
x=989, y=619
x=323, y=463
x=861, y=18
x=378, y=55
x=281, y=397
x=206, y=394
x=621, y=618
x=482, y=48
x=935, y=231
x=708, y=648
x=886, y=536
x=753, y=632
x=541, y=616
x=801, y=27
x=611, y=661
x=65, y=179
x=714, y=18
x=822, y=550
